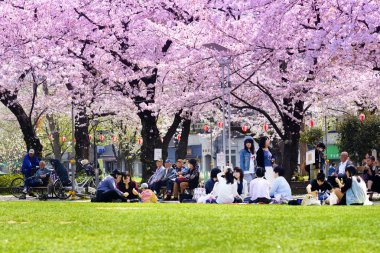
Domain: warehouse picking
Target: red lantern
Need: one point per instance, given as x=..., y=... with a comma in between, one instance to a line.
x=206, y=128
x=114, y=138
x=63, y=138
x=266, y=127
x=139, y=141
x=311, y=123
x=101, y=138
x=244, y=128
x=362, y=117
x=179, y=137
x=90, y=137
x=220, y=124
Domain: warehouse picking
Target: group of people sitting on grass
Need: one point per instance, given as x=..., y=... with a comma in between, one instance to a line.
x=119, y=187
x=265, y=182
x=229, y=186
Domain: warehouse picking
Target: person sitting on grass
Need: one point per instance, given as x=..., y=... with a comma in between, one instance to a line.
x=40, y=178
x=321, y=186
x=226, y=192
x=209, y=185
x=259, y=188
x=107, y=190
x=353, y=191
x=147, y=195
x=280, y=191
x=242, y=186
x=190, y=180
x=126, y=185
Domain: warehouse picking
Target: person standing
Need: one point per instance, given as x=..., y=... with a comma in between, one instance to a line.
x=247, y=159
x=29, y=164
x=265, y=159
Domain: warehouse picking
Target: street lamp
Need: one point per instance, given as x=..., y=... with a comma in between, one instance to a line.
x=224, y=62
x=95, y=124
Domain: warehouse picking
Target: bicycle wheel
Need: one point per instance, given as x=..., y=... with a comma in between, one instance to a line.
x=60, y=191
x=16, y=187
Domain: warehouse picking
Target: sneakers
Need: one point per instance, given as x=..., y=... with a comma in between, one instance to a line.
x=168, y=198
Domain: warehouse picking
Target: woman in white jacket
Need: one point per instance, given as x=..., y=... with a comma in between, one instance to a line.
x=226, y=191
x=242, y=185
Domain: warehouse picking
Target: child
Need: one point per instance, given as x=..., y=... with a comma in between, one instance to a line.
x=147, y=195
x=259, y=188
x=321, y=186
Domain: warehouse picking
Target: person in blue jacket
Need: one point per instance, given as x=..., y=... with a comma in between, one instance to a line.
x=247, y=159
x=29, y=164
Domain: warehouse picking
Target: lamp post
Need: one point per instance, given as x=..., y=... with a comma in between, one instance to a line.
x=224, y=63
x=95, y=124
x=73, y=164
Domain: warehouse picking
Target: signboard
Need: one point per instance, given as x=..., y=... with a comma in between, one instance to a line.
x=101, y=149
x=157, y=154
x=220, y=158
x=310, y=157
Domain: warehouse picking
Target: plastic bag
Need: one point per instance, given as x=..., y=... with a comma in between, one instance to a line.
x=333, y=199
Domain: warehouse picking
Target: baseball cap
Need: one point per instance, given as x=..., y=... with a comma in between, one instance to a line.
x=144, y=186
x=168, y=161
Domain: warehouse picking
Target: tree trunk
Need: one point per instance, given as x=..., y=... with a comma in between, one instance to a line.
x=25, y=122
x=54, y=131
x=82, y=144
x=181, y=150
x=292, y=128
x=151, y=140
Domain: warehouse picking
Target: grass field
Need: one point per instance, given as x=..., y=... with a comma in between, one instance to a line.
x=117, y=227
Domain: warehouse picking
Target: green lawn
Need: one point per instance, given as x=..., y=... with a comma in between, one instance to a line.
x=100, y=227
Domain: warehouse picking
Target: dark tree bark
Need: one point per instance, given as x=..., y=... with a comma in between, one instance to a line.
x=181, y=150
x=82, y=137
x=54, y=130
x=25, y=122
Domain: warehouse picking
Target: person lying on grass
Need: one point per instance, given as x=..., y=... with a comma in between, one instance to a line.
x=40, y=178
x=259, y=188
x=353, y=191
x=107, y=190
x=321, y=186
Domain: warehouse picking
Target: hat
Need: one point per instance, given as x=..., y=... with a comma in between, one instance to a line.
x=144, y=186
x=31, y=151
x=168, y=161
x=84, y=162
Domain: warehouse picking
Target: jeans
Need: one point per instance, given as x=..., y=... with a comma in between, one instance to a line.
x=157, y=185
x=31, y=182
x=108, y=196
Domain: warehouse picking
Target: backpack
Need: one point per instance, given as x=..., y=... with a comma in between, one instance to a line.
x=357, y=193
